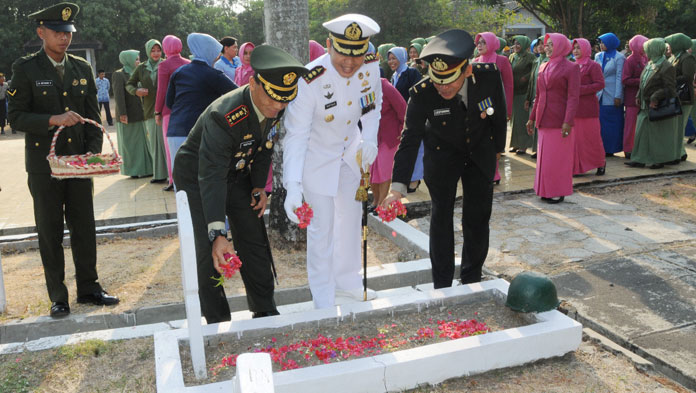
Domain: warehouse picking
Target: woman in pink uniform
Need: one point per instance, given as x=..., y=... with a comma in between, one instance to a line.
x=589, y=148
x=555, y=106
x=630, y=77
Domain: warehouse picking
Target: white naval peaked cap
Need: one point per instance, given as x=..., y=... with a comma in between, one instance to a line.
x=350, y=33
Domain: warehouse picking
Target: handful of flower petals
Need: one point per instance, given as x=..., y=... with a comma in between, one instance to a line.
x=304, y=214
x=229, y=269
x=396, y=208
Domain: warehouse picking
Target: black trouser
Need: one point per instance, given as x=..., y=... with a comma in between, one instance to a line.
x=72, y=198
x=109, y=120
x=3, y=112
x=442, y=179
x=248, y=235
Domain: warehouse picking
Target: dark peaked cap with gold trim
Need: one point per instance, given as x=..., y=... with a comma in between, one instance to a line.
x=447, y=54
x=350, y=33
x=59, y=17
x=277, y=71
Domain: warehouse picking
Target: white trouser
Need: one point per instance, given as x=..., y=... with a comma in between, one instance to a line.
x=333, y=240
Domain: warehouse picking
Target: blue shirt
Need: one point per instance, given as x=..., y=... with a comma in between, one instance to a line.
x=229, y=68
x=103, y=86
x=192, y=87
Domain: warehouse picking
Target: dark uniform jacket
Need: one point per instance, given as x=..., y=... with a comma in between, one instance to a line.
x=226, y=140
x=126, y=104
x=685, y=69
x=454, y=133
x=659, y=86
x=141, y=78
x=37, y=94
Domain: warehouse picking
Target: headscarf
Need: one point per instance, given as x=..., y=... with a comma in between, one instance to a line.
x=636, y=46
x=561, y=46
x=204, y=47
x=503, y=44
x=611, y=41
x=655, y=50
x=693, y=47
x=679, y=42
x=127, y=59
x=245, y=72
x=171, y=46
x=315, y=50
x=418, y=47
x=370, y=48
x=523, y=40
x=492, y=45
x=152, y=65
x=533, y=45
x=585, y=51
x=383, y=51
x=420, y=41
x=400, y=53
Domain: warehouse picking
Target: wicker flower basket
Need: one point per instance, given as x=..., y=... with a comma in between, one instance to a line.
x=83, y=165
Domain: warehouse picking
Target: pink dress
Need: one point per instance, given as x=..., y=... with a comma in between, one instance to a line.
x=245, y=72
x=556, y=102
x=632, y=68
x=589, y=148
x=503, y=63
x=390, y=126
x=171, y=45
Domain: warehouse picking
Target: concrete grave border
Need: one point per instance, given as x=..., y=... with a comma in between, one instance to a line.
x=553, y=334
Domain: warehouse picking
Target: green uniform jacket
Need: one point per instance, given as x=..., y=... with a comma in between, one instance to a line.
x=685, y=68
x=521, y=70
x=141, y=76
x=226, y=139
x=126, y=104
x=660, y=85
x=37, y=94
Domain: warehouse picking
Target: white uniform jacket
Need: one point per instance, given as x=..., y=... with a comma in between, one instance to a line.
x=322, y=123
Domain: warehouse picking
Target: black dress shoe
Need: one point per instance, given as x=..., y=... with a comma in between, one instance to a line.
x=262, y=314
x=60, y=309
x=675, y=162
x=412, y=190
x=688, y=141
x=684, y=157
x=512, y=149
x=534, y=155
x=627, y=155
x=609, y=155
x=496, y=182
x=153, y=181
x=634, y=164
x=553, y=201
x=99, y=298
x=601, y=170
x=168, y=187
x=520, y=152
x=657, y=166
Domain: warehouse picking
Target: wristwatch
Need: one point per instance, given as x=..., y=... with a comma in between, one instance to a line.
x=212, y=235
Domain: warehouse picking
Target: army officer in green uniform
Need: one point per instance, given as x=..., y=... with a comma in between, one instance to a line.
x=49, y=89
x=223, y=167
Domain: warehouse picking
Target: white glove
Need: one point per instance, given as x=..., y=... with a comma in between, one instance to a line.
x=293, y=200
x=369, y=153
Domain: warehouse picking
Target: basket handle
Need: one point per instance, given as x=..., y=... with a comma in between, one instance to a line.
x=52, y=152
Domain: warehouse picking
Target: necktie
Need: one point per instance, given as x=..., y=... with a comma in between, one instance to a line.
x=60, y=69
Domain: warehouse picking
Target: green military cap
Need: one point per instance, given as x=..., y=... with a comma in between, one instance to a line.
x=277, y=71
x=59, y=17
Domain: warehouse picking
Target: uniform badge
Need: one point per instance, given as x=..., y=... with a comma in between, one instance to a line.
x=360, y=75
x=289, y=78
x=247, y=137
x=367, y=74
x=366, y=100
x=44, y=83
x=313, y=74
x=75, y=82
x=237, y=114
x=239, y=154
x=330, y=105
x=12, y=92
x=327, y=86
x=484, y=107
x=441, y=112
x=269, y=145
x=328, y=95
x=365, y=90
x=365, y=83
x=353, y=32
x=240, y=164
x=83, y=82
x=329, y=118
x=66, y=14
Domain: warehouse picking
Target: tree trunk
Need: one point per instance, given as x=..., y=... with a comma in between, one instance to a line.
x=286, y=26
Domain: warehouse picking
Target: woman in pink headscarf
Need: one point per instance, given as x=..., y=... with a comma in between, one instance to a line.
x=171, y=45
x=486, y=45
x=632, y=68
x=555, y=106
x=245, y=72
x=315, y=50
x=589, y=148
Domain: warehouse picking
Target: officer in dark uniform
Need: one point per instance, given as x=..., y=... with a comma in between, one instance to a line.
x=223, y=167
x=49, y=89
x=463, y=106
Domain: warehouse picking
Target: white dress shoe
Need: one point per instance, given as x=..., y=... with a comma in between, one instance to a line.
x=356, y=294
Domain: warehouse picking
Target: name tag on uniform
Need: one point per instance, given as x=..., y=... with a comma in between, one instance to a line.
x=246, y=144
x=44, y=83
x=441, y=112
x=330, y=105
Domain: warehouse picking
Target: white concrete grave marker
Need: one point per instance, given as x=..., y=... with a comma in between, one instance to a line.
x=254, y=374
x=189, y=278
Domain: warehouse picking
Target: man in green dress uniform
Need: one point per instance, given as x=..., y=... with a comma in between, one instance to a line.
x=223, y=167
x=49, y=89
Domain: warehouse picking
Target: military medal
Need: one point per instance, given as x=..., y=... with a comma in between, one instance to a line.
x=240, y=164
x=75, y=82
x=360, y=75
x=490, y=111
x=83, y=82
x=486, y=107
x=269, y=145
x=483, y=115
x=329, y=118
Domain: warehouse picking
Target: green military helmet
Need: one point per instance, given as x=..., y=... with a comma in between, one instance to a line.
x=532, y=292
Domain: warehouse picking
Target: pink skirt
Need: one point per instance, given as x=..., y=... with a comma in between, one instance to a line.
x=381, y=169
x=589, y=149
x=630, y=128
x=554, y=169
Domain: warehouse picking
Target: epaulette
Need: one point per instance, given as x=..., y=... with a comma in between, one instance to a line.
x=370, y=58
x=483, y=67
x=77, y=58
x=314, y=73
x=237, y=114
x=422, y=84
x=26, y=58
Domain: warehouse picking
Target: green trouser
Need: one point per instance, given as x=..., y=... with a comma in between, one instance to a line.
x=72, y=199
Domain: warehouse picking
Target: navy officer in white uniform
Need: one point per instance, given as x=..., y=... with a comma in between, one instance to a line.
x=342, y=89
